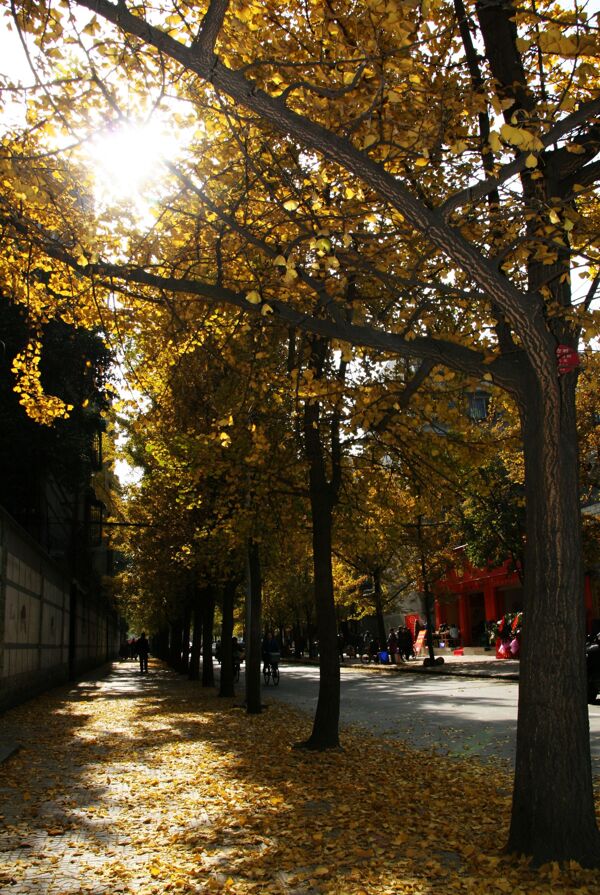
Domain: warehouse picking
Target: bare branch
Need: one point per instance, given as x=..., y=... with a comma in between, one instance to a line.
x=592, y=291
x=475, y=192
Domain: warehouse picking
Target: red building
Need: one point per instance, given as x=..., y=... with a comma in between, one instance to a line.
x=468, y=598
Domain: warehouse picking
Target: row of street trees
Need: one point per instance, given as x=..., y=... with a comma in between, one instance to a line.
x=368, y=182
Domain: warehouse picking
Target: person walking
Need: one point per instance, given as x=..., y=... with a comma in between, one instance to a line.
x=143, y=648
x=406, y=644
x=392, y=645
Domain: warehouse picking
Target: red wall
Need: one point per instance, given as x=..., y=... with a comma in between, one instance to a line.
x=455, y=596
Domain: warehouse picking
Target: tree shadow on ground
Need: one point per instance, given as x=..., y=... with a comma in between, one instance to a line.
x=156, y=784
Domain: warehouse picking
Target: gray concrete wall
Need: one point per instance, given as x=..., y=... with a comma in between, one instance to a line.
x=40, y=646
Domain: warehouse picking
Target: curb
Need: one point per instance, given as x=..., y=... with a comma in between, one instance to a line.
x=448, y=669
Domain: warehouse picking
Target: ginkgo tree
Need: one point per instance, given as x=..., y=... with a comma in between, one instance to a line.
x=410, y=179
x=217, y=448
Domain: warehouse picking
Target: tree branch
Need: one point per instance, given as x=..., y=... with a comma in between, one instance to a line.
x=527, y=316
x=476, y=191
x=206, y=39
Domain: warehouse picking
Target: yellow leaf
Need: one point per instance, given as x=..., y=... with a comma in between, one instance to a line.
x=291, y=205
x=369, y=140
x=531, y=161
x=421, y=162
x=266, y=309
x=253, y=297
x=514, y=135
x=494, y=141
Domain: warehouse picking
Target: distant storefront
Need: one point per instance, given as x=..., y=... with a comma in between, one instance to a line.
x=468, y=598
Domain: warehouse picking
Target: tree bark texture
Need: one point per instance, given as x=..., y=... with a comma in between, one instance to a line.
x=381, y=632
x=325, y=732
x=226, y=687
x=253, y=630
x=208, y=620
x=185, y=639
x=194, y=666
x=197, y=597
x=553, y=815
x=160, y=644
x=175, y=635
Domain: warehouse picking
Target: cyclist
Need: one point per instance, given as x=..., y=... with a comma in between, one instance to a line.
x=269, y=645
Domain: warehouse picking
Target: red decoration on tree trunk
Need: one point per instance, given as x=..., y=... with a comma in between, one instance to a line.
x=568, y=359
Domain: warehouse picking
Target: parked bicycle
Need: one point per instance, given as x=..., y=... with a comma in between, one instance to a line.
x=271, y=669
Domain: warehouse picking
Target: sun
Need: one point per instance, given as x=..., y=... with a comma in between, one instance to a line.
x=129, y=159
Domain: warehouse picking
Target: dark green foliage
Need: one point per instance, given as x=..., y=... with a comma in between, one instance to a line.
x=74, y=366
x=493, y=519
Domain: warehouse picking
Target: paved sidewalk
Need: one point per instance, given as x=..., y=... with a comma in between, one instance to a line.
x=67, y=786
x=151, y=785
x=466, y=666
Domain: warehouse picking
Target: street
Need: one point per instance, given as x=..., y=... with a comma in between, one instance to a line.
x=450, y=714
x=143, y=784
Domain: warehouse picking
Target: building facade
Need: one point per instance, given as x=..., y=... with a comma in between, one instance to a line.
x=469, y=597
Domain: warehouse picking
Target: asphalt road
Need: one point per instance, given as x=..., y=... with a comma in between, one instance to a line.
x=449, y=714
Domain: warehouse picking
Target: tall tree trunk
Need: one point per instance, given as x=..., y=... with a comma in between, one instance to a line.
x=381, y=633
x=160, y=644
x=297, y=634
x=185, y=637
x=253, y=630
x=175, y=634
x=226, y=687
x=194, y=666
x=323, y=491
x=325, y=732
x=208, y=621
x=553, y=814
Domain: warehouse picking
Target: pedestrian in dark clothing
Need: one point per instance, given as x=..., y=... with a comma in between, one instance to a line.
x=392, y=646
x=269, y=646
x=406, y=644
x=143, y=648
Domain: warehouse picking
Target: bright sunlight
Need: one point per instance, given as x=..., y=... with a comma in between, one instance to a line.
x=128, y=159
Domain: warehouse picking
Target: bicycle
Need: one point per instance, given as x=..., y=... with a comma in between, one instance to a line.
x=271, y=669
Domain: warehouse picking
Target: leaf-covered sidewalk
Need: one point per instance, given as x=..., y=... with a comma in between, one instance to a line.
x=151, y=785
